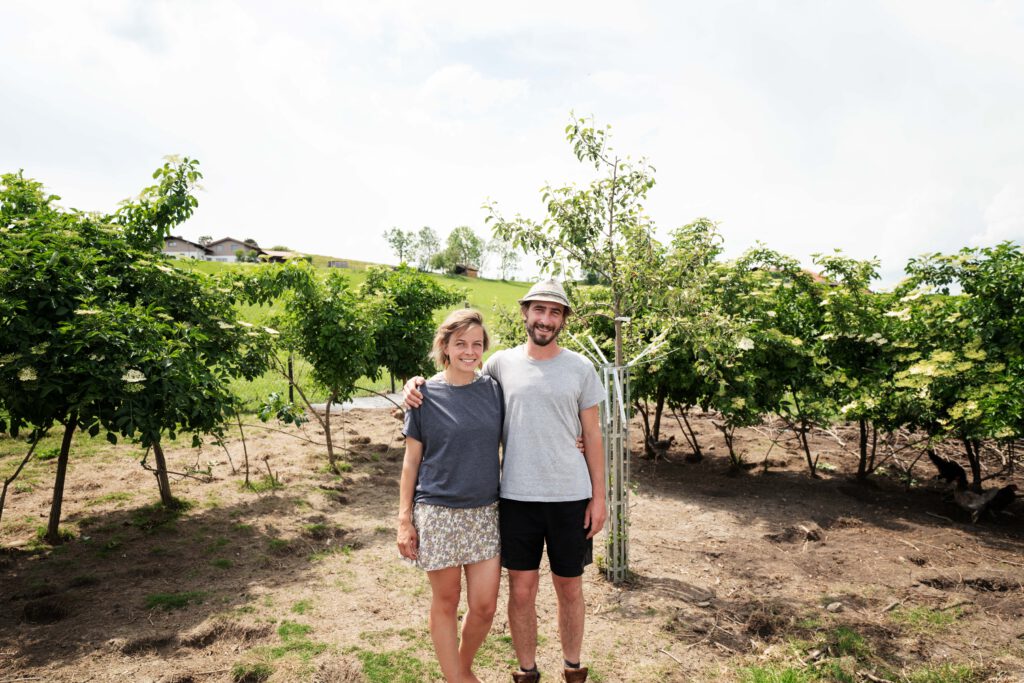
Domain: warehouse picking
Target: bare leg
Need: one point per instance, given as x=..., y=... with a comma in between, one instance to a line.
x=482, y=579
x=522, y=614
x=571, y=614
x=445, y=585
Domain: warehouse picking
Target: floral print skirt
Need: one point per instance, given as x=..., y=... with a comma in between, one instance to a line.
x=452, y=537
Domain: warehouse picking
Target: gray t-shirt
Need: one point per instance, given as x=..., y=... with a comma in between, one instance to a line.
x=460, y=429
x=543, y=400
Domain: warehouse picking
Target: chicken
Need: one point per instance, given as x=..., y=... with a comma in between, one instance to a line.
x=660, y=448
x=977, y=504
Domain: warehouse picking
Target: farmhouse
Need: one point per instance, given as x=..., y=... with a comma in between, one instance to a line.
x=179, y=247
x=226, y=248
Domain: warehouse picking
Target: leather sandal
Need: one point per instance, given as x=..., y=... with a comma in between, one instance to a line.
x=526, y=676
x=575, y=675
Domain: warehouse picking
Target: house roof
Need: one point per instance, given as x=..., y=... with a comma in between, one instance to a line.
x=232, y=239
x=182, y=239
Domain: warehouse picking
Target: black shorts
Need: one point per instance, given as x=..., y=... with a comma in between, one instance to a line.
x=527, y=525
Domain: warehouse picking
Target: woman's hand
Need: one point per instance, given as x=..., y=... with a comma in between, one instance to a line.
x=408, y=541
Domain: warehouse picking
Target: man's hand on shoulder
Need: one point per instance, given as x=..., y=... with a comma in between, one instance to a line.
x=411, y=396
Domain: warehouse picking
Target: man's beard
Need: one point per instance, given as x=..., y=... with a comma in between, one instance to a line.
x=532, y=330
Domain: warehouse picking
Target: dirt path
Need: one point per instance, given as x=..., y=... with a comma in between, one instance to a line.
x=767, y=569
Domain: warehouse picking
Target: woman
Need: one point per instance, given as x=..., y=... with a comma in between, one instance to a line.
x=448, y=500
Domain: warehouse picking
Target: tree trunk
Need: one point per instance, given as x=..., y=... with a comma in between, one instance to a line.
x=862, y=466
x=10, y=479
x=327, y=433
x=646, y=424
x=972, y=447
x=694, y=444
x=53, y=527
x=162, y=481
x=659, y=408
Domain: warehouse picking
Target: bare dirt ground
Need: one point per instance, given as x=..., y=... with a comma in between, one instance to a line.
x=757, y=569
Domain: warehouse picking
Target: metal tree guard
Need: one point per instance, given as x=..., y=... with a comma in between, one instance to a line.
x=615, y=416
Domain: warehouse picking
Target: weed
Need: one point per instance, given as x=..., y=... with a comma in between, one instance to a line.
x=169, y=601
x=926, y=619
x=243, y=528
x=222, y=563
x=23, y=487
x=48, y=453
x=263, y=484
x=296, y=642
x=302, y=606
x=343, y=466
x=115, y=497
x=278, y=545
x=396, y=666
x=947, y=673
x=156, y=516
x=772, y=674
x=847, y=642
x=83, y=581
x=251, y=673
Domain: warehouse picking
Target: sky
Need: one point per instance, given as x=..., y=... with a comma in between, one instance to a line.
x=884, y=129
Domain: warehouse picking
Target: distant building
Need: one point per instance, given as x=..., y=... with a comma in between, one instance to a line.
x=179, y=247
x=224, y=249
x=467, y=270
x=277, y=256
x=337, y=264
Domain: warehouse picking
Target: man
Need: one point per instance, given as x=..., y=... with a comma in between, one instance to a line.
x=549, y=494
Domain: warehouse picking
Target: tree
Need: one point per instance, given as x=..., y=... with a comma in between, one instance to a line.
x=100, y=333
x=403, y=339
x=327, y=324
x=402, y=242
x=427, y=245
x=205, y=239
x=463, y=248
x=601, y=229
x=508, y=256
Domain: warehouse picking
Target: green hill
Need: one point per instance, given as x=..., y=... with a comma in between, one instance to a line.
x=479, y=293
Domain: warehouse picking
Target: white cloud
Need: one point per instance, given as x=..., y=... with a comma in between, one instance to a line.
x=882, y=128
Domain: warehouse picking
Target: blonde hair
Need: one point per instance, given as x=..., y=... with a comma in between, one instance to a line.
x=458, y=321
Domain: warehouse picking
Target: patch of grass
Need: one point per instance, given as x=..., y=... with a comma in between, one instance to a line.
x=83, y=581
x=926, y=619
x=216, y=544
x=48, y=453
x=169, y=601
x=222, y=563
x=848, y=643
x=774, y=674
x=302, y=606
x=947, y=673
x=242, y=528
x=343, y=466
x=296, y=642
x=263, y=484
x=153, y=517
x=396, y=666
x=251, y=673
x=497, y=652
x=115, y=497
x=278, y=545
x=110, y=547
x=22, y=487
x=63, y=533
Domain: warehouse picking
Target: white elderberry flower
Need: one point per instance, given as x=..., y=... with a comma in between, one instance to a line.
x=28, y=374
x=133, y=376
x=224, y=326
x=745, y=344
x=86, y=311
x=271, y=330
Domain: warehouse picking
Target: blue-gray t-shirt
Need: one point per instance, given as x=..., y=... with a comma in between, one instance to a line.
x=460, y=429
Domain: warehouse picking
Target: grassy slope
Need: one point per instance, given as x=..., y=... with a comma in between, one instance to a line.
x=479, y=293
